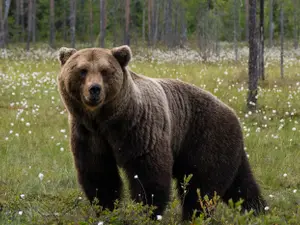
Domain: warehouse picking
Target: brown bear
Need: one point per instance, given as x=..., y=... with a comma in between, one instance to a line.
x=155, y=129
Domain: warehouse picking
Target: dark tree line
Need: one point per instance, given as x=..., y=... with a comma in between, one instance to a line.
x=164, y=22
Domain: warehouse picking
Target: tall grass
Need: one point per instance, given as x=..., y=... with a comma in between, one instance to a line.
x=37, y=178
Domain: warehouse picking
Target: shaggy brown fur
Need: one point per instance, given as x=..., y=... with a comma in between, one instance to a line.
x=154, y=128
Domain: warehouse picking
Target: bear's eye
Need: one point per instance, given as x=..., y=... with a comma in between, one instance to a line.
x=104, y=72
x=83, y=72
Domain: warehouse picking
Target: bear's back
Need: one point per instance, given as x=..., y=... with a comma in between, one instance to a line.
x=194, y=110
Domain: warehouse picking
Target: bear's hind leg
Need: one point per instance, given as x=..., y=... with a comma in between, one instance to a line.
x=190, y=199
x=245, y=187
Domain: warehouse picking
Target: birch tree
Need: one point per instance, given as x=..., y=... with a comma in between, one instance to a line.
x=29, y=24
x=91, y=24
x=127, y=22
x=73, y=22
x=271, y=23
x=296, y=25
x=281, y=40
x=102, y=23
x=262, y=38
x=52, y=28
x=253, y=76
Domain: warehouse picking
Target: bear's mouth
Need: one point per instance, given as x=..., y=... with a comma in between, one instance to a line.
x=92, y=102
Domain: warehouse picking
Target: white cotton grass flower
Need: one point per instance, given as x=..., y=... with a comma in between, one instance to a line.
x=22, y=196
x=267, y=208
x=20, y=213
x=100, y=223
x=284, y=175
x=295, y=190
x=159, y=217
x=271, y=196
x=136, y=176
x=41, y=176
x=62, y=149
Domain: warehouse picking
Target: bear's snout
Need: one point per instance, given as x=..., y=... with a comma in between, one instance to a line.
x=92, y=95
x=94, y=91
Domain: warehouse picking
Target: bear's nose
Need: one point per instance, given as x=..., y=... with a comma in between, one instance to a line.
x=95, y=89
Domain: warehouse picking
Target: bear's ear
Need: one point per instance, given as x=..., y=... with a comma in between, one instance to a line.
x=122, y=54
x=64, y=54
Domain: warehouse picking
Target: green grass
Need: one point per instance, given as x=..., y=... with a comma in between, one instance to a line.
x=34, y=139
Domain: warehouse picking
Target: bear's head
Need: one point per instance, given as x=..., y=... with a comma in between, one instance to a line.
x=92, y=77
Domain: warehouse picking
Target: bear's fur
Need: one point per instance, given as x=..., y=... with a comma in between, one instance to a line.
x=157, y=129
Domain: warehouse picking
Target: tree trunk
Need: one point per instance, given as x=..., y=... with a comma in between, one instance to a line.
x=22, y=21
x=247, y=20
x=17, y=15
x=271, y=24
x=150, y=9
x=91, y=23
x=155, y=22
x=235, y=30
x=115, y=22
x=2, y=33
x=127, y=22
x=253, y=76
x=281, y=40
x=217, y=34
x=143, y=25
x=168, y=23
x=52, y=28
x=176, y=29
x=34, y=21
x=29, y=24
x=102, y=23
x=64, y=22
x=262, y=38
x=183, y=32
x=296, y=26
x=73, y=22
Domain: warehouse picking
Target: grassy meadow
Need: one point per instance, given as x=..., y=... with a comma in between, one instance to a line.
x=37, y=178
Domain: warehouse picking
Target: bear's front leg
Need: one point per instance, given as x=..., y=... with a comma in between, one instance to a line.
x=150, y=179
x=96, y=167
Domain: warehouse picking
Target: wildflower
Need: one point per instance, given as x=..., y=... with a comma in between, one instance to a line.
x=63, y=130
x=20, y=213
x=136, y=177
x=271, y=196
x=159, y=217
x=295, y=190
x=27, y=124
x=267, y=208
x=285, y=175
x=62, y=149
x=101, y=223
x=294, y=128
x=22, y=196
x=41, y=176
